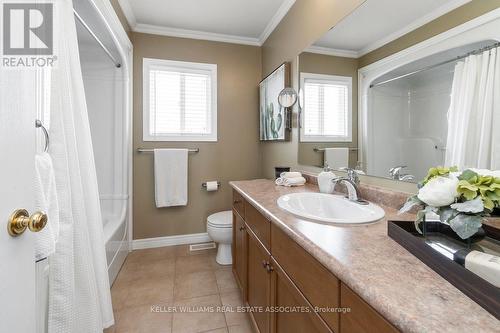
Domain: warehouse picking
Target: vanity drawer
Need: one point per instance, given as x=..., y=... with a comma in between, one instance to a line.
x=239, y=204
x=260, y=226
x=362, y=318
x=320, y=287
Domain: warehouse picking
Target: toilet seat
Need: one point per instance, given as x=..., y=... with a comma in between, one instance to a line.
x=221, y=219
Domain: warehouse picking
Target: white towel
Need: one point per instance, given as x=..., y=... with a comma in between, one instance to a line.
x=337, y=158
x=171, y=177
x=295, y=181
x=292, y=174
x=46, y=201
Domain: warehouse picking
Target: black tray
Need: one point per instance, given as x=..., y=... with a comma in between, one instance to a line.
x=478, y=289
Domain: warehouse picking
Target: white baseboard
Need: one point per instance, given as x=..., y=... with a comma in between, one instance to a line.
x=148, y=243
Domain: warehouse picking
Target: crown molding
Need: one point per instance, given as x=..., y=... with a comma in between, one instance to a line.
x=128, y=12
x=275, y=20
x=203, y=35
x=332, y=52
x=440, y=11
x=194, y=34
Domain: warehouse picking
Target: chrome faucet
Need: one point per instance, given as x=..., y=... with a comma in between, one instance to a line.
x=351, y=182
x=396, y=174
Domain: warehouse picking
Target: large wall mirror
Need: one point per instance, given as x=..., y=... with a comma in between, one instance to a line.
x=431, y=104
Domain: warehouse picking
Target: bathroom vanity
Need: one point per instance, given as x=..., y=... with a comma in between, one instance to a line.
x=356, y=277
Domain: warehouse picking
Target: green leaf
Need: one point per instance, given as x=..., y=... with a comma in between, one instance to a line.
x=469, y=176
x=410, y=203
x=466, y=225
x=470, y=206
x=488, y=203
x=446, y=214
x=280, y=122
x=437, y=171
x=468, y=190
x=421, y=215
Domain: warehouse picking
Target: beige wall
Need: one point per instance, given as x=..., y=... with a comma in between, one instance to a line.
x=305, y=22
x=330, y=65
x=450, y=20
x=236, y=154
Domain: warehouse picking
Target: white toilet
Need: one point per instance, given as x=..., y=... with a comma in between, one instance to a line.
x=220, y=229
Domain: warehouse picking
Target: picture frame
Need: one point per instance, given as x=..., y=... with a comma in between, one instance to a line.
x=275, y=120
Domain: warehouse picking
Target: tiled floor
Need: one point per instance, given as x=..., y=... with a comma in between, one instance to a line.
x=154, y=282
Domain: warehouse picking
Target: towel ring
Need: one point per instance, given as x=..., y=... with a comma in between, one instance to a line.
x=38, y=124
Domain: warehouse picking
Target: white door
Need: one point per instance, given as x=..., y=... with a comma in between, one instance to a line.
x=17, y=149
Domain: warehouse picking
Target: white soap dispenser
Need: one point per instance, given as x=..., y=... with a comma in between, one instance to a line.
x=325, y=180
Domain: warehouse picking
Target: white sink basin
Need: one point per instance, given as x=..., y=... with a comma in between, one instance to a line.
x=329, y=208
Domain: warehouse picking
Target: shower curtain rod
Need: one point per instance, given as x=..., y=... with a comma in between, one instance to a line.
x=486, y=48
x=85, y=25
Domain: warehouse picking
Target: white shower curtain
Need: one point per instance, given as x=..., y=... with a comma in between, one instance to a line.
x=79, y=293
x=474, y=114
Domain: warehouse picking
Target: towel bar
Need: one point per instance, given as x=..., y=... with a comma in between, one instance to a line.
x=323, y=149
x=150, y=150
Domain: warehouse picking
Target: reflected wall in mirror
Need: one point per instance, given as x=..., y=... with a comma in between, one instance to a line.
x=431, y=104
x=329, y=108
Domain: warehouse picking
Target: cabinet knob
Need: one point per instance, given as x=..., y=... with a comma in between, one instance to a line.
x=264, y=264
x=242, y=228
x=236, y=201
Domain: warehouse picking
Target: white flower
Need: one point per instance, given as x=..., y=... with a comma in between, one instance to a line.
x=439, y=191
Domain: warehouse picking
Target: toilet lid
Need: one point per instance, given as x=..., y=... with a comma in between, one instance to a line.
x=221, y=219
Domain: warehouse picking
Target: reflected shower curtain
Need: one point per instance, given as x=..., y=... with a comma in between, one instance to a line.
x=474, y=114
x=79, y=293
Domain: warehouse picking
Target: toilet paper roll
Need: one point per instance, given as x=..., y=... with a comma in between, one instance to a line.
x=212, y=186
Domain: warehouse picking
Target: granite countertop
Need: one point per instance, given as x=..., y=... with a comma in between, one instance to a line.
x=399, y=286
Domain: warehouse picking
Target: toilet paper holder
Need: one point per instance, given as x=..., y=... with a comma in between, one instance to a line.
x=204, y=185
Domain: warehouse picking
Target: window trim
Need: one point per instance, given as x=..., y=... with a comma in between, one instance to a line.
x=185, y=66
x=344, y=80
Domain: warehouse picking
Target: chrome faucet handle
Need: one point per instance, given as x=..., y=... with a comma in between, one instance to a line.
x=395, y=171
x=352, y=190
x=352, y=175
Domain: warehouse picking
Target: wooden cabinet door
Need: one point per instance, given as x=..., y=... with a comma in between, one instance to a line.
x=240, y=253
x=258, y=283
x=291, y=311
x=362, y=318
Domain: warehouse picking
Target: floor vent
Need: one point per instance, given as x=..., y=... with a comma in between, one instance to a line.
x=201, y=246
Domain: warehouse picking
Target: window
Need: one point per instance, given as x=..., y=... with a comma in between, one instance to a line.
x=327, y=108
x=180, y=101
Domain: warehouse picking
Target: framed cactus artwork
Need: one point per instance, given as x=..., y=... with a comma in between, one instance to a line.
x=274, y=119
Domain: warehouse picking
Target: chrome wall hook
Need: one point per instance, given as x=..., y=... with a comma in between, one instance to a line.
x=38, y=124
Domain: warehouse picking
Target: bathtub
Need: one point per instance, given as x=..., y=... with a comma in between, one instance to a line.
x=115, y=225
x=107, y=93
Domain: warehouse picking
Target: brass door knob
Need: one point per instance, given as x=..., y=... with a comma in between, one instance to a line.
x=20, y=220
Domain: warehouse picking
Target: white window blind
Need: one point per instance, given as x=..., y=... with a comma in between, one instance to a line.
x=326, y=111
x=180, y=101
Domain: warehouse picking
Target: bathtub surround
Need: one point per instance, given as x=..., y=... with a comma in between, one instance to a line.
x=79, y=291
x=234, y=156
